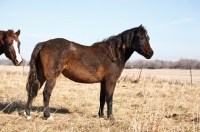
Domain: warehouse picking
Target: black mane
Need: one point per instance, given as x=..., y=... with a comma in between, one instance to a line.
x=114, y=43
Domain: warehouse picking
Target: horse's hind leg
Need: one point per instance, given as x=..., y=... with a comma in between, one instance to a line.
x=50, y=83
x=33, y=88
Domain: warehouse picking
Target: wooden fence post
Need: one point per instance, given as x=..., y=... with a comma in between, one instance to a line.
x=140, y=73
x=191, y=75
x=137, y=80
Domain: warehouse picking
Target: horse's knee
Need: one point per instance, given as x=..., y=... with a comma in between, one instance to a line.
x=109, y=99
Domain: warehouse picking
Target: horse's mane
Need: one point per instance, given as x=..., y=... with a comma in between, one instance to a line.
x=10, y=32
x=113, y=44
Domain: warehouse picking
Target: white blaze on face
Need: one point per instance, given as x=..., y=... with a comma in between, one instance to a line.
x=18, y=56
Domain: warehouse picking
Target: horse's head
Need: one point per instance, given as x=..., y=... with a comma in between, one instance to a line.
x=141, y=43
x=10, y=45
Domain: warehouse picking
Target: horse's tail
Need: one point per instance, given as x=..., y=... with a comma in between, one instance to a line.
x=33, y=83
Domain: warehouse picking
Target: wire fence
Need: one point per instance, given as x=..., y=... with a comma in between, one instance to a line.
x=187, y=75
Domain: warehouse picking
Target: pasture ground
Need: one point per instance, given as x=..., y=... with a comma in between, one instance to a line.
x=163, y=100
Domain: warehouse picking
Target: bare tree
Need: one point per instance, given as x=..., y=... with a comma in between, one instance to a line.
x=9, y=62
x=158, y=64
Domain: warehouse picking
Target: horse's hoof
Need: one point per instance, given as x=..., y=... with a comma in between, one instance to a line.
x=50, y=118
x=111, y=118
x=101, y=116
x=27, y=117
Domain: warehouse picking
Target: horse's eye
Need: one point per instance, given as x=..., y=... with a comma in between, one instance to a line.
x=141, y=38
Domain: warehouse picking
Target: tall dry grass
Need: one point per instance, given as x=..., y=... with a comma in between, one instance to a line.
x=163, y=100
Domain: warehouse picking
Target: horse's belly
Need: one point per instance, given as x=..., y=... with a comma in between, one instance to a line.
x=83, y=75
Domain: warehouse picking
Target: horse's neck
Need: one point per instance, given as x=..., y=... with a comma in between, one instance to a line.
x=127, y=54
x=124, y=56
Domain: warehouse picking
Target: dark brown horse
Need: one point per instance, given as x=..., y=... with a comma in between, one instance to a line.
x=10, y=46
x=101, y=62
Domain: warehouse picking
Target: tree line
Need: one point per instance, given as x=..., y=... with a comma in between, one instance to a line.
x=8, y=62
x=149, y=64
x=161, y=64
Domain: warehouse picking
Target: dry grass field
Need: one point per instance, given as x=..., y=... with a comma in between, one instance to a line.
x=162, y=101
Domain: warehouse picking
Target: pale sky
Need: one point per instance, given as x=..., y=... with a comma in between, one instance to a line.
x=173, y=25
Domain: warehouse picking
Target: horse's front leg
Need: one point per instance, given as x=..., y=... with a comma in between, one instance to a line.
x=107, y=90
x=110, y=87
x=109, y=101
x=46, y=96
x=102, y=100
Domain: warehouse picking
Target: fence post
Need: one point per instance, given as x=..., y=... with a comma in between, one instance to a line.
x=140, y=73
x=191, y=75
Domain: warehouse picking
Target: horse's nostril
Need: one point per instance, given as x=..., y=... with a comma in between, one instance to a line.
x=150, y=53
x=16, y=61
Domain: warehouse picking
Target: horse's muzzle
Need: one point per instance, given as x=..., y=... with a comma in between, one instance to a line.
x=17, y=63
x=149, y=54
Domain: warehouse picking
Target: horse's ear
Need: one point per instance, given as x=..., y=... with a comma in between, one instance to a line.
x=9, y=33
x=1, y=39
x=18, y=33
x=140, y=27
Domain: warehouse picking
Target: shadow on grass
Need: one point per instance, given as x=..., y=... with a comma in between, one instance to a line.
x=9, y=108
